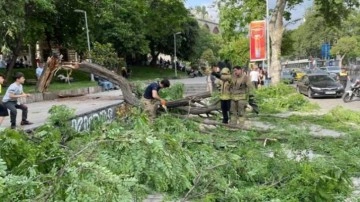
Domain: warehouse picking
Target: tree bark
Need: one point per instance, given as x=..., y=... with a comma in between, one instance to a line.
x=154, y=56
x=15, y=54
x=190, y=99
x=341, y=60
x=48, y=73
x=276, y=30
x=112, y=77
x=33, y=55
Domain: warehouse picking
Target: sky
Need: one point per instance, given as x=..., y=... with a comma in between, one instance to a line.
x=297, y=13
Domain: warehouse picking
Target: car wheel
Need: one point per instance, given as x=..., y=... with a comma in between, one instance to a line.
x=347, y=97
x=309, y=93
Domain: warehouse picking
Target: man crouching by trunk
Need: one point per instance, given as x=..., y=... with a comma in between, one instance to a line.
x=11, y=100
x=151, y=96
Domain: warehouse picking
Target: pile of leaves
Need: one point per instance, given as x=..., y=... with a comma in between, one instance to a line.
x=281, y=98
x=127, y=159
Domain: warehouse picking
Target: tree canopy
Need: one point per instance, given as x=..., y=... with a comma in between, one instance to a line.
x=133, y=27
x=236, y=14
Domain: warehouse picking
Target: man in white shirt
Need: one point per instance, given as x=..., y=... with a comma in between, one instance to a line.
x=11, y=100
x=39, y=71
x=254, y=76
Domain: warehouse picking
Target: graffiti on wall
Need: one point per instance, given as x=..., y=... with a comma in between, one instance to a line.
x=83, y=122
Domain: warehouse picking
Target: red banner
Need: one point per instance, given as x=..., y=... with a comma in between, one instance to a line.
x=257, y=41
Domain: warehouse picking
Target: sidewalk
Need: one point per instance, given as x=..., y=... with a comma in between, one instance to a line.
x=85, y=105
x=38, y=111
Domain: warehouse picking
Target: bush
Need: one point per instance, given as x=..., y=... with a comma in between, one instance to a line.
x=281, y=98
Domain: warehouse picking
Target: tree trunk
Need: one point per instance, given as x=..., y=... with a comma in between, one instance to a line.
x=275, y=57
x=341, y=58
x=33, y=55
x=15, y=53
x=48, y=73
x=114, y=78
x=276, y=30
x=154, y=56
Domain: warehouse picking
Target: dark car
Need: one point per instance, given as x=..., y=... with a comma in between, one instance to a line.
x=321, y=71
x=319, y=85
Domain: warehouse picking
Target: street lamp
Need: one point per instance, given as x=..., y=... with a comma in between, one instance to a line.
x=87, y=35
x=175, y=59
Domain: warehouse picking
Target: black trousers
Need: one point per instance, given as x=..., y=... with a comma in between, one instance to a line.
x=255, y=83
x=225, y=108
x=13, y=106
x=343, y=83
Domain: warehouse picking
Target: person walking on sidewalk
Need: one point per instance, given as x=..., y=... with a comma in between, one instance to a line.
x=224, y=87
x=11, y=100
x=240, y=88
x=3, y=110
x=151, y=96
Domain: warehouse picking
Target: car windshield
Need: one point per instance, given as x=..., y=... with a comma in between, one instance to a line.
x=286, y=74
x=320, y=78
x=333, y=68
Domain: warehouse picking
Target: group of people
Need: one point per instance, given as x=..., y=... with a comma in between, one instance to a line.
x=235, y=90
x=11, y=102
x=258, y=76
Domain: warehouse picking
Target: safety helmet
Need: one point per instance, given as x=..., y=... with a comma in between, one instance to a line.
x=225, y=70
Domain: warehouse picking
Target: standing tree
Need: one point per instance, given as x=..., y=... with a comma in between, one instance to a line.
x=236, y=50
x=201, y=10
x=346, y=46
x=236, y=14
x=163, y=18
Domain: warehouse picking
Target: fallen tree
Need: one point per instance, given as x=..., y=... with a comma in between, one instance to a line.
x=191, y=104
x=186, y=104
x=111, y=76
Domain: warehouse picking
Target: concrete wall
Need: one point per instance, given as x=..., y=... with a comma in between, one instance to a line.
x=39, y=97
x=84, y=122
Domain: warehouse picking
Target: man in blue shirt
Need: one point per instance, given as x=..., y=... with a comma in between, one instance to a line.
x=151, y=96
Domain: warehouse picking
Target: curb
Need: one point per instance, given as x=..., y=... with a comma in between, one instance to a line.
x=46, y=96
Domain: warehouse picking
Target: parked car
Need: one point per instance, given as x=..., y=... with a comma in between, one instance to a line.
x=319, y=85
x=297, y=73
x=286, y=77
x=333, y=70
x=321, y=71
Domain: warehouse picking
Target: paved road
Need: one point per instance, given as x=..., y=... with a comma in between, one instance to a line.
x=326, y=104
x=38, y=111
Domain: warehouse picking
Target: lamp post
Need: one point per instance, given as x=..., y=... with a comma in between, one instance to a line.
x=175, y=59
x=87, y=35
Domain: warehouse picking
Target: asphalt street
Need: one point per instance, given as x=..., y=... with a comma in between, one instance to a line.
x=38, y=112
x=326, y=104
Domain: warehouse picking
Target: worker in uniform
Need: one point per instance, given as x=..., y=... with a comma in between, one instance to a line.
x=343, y=77
x=240, y=89
x=224, y=88
x=151, y=97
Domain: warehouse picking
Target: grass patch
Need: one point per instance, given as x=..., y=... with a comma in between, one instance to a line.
x=151, y=73
x=30, y=74
x=81, y=80
x=57, y=86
